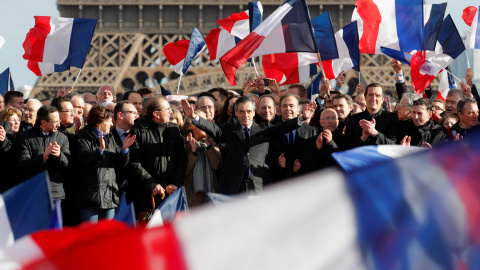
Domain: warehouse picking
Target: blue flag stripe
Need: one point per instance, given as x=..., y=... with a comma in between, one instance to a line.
x=409, y=18
x=298, y=32
x=325, y=37
x=433, y=26
x=351, y=38
x=449, y=38
x=254, y=15
x=196, y=44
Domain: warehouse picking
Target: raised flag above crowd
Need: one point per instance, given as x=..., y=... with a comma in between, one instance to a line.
x=181, y=53
x=473, y=36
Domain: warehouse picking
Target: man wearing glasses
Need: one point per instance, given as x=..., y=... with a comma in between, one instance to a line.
x=30, y=114
x=158, y=156
x=44, y=148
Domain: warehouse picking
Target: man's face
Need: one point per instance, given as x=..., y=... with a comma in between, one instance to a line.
x=469, y=117
x=17, y=102
x=404, y=110
x=30, y=112
x=289, y=108
x=52, y=125
x=163, y=115
x=420, y=115
x=206, y=105
x=78, y=105
x=451, y=103
x=2, y=103
x=218, y=102
x=267, y=109
x=67, y=114
x=360, y=100
x=329, y=120
x=128, y=115
x=374, y=99
x=340, y=105
x=328, y=102
x=438, y=108
x=136, y=100
x=105, y=93
x=245, y=113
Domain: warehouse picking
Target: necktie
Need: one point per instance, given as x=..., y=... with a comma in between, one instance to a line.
x=247, y=136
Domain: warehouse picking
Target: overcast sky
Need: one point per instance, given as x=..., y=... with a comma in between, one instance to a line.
x=16, y=18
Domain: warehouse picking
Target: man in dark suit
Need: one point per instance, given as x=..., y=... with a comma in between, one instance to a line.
x=245, y=165
x=286, y=151
x=374, y=126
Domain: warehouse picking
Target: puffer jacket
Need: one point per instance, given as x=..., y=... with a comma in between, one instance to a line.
x=98, y=186
x=431, y=133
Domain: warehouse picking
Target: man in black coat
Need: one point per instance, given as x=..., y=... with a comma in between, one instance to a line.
x=467, y=110
x=287, y=150
x=374, y=126
x=245, y=165
x=158, y=155
x=424, y=131
x=44, y=148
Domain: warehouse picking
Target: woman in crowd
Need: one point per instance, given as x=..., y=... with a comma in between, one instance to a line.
x=12, y=116
x=176, y=117
x=204, y=158
x=99, y=155
x=227, y=115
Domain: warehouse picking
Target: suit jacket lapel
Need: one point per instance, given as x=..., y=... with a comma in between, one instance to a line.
x=239, y=131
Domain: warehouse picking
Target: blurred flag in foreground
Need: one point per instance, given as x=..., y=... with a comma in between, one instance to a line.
x=420, y=211
x=177, y=202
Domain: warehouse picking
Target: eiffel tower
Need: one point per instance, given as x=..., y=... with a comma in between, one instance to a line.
x=127, y=47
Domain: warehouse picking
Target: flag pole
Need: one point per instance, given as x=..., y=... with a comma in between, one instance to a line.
x=180, y=80
x=323, y=71
x=254, y=66
x=249, y=67
x=76, y=79
x=66, y=80
x=453, y=75
x=468, y=62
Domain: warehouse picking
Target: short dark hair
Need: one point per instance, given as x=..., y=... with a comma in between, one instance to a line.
x=119, y=107
x=222, y=92
x=347, y=98
x=154, y=106
x=244, y=99
x=10, y=95
x=288, y=95
x=461, y=104
x=145, y=91
x=127, y=94
x=374, y=85
x=57, y=102
x=97, y=115
x=301, y=89
x=423, y=102
x=203, y=94
x=44, y=114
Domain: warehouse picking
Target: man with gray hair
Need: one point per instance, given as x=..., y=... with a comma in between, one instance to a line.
x=467, y=111
x=106, y=93
x=453, y=97
x=206, y=104
x=404, y=109
x=30, y=114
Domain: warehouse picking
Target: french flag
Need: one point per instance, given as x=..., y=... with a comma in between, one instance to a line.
x=233, y=29
x=313, y=89
x=393, y=24
x=447, y=82
x=433, y=16
x=23, y=212
x=288, y=29
x=471, y=18
x=167, y=211
x=387, y=215
x=181, y=53
x=290, y=68
x=55, y=44
x=348, y=53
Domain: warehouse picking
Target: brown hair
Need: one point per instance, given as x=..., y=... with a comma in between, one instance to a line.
x=9, y=111
x=97, y=115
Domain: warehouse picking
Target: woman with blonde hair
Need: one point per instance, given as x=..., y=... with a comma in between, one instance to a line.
x=12, y=116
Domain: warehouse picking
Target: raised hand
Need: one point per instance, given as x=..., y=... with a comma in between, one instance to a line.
x=48, y=151
x=406, y=141
x=397, y=66
x=191, y=142
x=3, y=134
x=128, y=141
x=282, y=161
x=309, y=111
x=187, y=108
x=359, y=89
x=469, y=75
x=466, y=89
x=324, y=88
x=274, y=86
x=102, y=142
x=296, y=165
x=260, y=84
x=340, y=79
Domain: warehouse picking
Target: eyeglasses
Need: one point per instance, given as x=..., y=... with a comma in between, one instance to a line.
x=132, y=112
x=164, y=110
x=329, y=118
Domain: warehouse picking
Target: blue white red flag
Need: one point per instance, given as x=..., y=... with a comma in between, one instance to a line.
x=313, y=88
x=55, y=44
x=433, y=15
x=325, y=36
x=393, y=24
x=473, y=36
x=181, y=53
x=290, y=68
x=6, y=81
x=348, y=53
x=166, y=212
x=22, y=211
x=420, y=211
x=447, y=82
x=288, y=29
x=422, y=72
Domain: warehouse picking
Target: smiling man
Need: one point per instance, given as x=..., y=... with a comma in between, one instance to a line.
x=375, y=125
x=245, y=166
x=467, y=111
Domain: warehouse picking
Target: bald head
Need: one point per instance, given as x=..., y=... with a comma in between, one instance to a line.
x=329, y=119
x=30, y=111
x=105, y=92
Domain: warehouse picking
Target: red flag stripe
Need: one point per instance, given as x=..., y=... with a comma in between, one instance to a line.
x=229, y=22
x=372, y=18
x=212, y=42
x=34, y=43
x=469, y=14
x=176, y=52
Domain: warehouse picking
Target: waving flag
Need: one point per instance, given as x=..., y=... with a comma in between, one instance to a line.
x=288, y=29
x=21, y=215
x=422, y=72
x=325, y=37
x=6, y=81
x=290, y=68
x=383, y=216
x=348, y=53
x=394, y=24
x=433, y=15
x=181, y=53
x=56, y=44
x=177, y=202
x=314, y=88
x=447, y=82
x=233, y=29
x=473, y=36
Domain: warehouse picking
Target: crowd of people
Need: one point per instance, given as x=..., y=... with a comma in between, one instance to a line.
x=95, y=147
